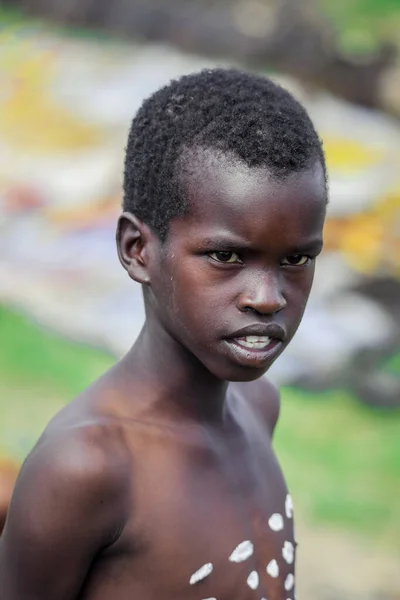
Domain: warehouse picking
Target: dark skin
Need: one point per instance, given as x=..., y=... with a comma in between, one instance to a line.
x=163, y=466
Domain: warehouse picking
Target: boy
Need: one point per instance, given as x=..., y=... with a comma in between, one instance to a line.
x=159, y=481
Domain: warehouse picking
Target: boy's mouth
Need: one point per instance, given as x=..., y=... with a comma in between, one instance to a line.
x=255, y=354
x=256, y=345
x=258, y=335
x=256, y=342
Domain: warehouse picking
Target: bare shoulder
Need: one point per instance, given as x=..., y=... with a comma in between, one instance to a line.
x=263, y=397
x=89, y=451
x=70, y=502
x=78, y=470
x=83, y=442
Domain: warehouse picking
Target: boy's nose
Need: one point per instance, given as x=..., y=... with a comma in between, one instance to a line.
x=264, y=297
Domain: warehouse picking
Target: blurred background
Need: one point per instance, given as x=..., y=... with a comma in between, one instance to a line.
x=72, y=75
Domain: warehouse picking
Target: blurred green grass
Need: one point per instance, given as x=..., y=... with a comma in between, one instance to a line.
x=39, y=373
x=341, y=459
x=362, y=24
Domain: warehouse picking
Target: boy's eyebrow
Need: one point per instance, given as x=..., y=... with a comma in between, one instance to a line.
x=222, y=242
x=314, y=245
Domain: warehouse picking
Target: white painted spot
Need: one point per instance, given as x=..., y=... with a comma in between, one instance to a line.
x=273, y=568
x=289, y=506
x=253, y=580
x=276, y=522
x=209, y=599
x=242, y=552
x=289, y=582
x=288, y=552
x=201, y=573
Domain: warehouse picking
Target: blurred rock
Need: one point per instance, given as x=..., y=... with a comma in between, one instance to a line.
x=373, y=384
x=385, y=291
x=389, y=89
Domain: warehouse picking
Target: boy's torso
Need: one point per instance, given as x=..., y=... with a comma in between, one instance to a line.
x=195, y=496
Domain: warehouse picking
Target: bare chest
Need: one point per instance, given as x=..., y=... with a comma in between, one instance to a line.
x=206, y=531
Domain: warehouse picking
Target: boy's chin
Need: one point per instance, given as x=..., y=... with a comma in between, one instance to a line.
x=248, y=375
x=241, y=364
x=235, y=373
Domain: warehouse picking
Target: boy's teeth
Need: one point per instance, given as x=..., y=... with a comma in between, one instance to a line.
x=254, y=341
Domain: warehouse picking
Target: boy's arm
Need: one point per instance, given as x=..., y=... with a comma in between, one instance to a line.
x=66, y=506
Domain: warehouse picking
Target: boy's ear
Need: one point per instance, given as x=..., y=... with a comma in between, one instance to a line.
x=133, y=237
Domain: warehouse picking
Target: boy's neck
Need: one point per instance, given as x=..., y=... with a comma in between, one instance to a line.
x=183, y=387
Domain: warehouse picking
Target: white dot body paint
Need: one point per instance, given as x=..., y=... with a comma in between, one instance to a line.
x=242, y=552
x=210, y=599
x=289, y=582
x=288, y=552
x=289, y=506
x=276, y=522
x=201, y=573
x=273, y=568
x=253, y=580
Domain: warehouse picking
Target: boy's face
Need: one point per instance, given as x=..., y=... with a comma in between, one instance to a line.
x=232, y=280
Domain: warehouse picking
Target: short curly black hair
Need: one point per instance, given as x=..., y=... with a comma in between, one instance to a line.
x=233, y=111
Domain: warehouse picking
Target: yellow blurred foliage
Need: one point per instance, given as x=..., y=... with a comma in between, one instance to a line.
x=347, y=155
x=370, y=241
x=29, y=119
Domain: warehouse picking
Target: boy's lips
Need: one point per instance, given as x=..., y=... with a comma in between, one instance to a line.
x=271, y=330
x=256, y=345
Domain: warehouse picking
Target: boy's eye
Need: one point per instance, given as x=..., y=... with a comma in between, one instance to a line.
x=296, y=260
x=225, y=257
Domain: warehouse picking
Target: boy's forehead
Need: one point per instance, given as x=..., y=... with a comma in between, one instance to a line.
x=216, y=182
x=200, y=165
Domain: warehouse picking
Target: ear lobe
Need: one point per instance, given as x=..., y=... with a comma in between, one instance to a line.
x=132, y=237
